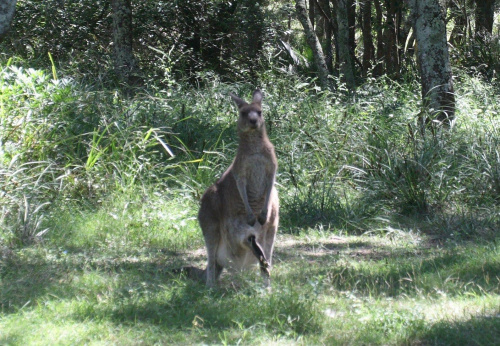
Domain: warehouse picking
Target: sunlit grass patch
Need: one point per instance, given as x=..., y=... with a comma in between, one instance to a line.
x=129, y=220
x=362, y=319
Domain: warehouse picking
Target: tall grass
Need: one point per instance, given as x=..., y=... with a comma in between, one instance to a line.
x=345, y=162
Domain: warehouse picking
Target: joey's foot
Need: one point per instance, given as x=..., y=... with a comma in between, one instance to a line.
x=251, y=220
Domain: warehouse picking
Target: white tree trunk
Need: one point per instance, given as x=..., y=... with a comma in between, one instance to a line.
x=433, y=58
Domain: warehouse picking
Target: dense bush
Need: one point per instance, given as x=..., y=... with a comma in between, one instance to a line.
x=172, y=39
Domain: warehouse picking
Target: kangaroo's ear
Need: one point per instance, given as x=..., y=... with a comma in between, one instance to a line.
x=239, y=102
x=257, y=96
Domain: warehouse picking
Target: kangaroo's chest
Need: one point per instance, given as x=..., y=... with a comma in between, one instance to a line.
x=257, y=168
x=258, y=176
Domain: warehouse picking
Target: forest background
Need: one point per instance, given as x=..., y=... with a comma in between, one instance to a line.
x=115, y=118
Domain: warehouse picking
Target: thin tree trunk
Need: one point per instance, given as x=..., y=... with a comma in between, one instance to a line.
x=351, y=22
x=326, y=11
x=390, y=40
x=335, y=27
x=432, y=54
x=255, y=31
x=125, y=63
x=345, y=61
x=366, y=28
x=7, y=9
x=379, y=67
x=313, y=42
x=312, y=13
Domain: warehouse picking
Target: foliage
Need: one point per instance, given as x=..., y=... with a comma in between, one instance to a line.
x=343, y=162
x=178, y=40
x=171, y=38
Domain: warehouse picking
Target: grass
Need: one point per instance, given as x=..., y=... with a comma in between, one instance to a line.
x=326, y=289
x=389, y=234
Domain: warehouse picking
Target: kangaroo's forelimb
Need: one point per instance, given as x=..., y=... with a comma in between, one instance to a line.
x=241, y=184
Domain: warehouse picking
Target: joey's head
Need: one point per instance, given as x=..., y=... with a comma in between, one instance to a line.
x=250, y=119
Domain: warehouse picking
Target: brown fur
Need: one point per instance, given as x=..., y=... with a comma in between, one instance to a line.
x=243, y=202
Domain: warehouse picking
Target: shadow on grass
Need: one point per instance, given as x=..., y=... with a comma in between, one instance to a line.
x=308, y=213
x=191, y=305
x=27, y=277
x=375, y=269
x=484, y=330
x=359, y=214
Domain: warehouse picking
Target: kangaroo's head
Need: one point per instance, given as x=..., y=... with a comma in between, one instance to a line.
x=250, y=113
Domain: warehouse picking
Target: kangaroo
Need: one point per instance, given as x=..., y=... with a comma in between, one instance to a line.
x=239, y=214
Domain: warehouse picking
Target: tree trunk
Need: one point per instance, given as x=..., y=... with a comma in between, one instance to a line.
x=312, y=15
x=379, y=67
x=351, y=22
x=366, y=28
x=7, y=8
x=434, y=63
x=335, y=28
x=326, y=11
x=313, y=42
x=390, y=40
x=345, y=62
x=125, y=63
x=254, y=29
x=485, y=11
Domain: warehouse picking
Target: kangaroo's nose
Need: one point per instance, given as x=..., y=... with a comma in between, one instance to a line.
x=253, y=121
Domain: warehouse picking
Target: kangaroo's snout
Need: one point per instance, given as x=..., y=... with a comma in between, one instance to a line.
x=253, y=119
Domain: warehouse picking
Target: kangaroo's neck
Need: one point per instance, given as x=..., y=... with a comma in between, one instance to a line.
x=253, y=141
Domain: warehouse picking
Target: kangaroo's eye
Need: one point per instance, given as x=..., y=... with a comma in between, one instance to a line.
x=259, y=113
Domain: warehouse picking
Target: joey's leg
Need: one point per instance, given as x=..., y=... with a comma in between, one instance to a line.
x=259, y=253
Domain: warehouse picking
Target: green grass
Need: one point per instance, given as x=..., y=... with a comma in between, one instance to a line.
x=127, y=221
x=389, y=234
x=326, y=289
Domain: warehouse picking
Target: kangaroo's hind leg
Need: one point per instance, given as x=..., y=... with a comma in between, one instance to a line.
x=211, y=228
x=212, y=235
x=270, y=228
